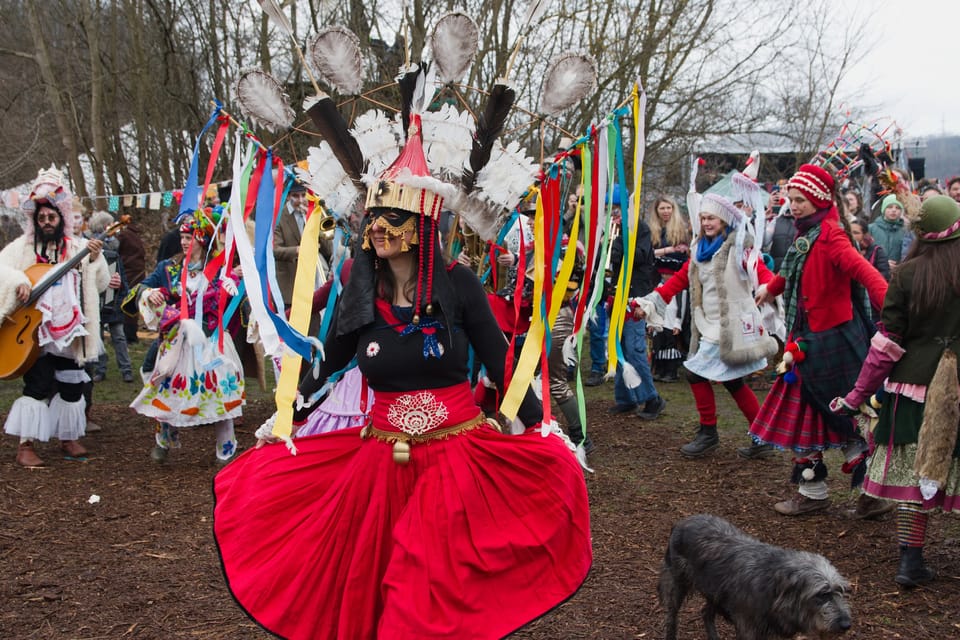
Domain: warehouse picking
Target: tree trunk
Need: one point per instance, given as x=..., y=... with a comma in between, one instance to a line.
x=52, y=91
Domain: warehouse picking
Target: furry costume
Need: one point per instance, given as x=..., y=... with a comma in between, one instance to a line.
x=19, y=255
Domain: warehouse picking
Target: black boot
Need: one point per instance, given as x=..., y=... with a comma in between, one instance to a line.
x=670, y=368
x=571, y=413
x=913, y=571
x=706, y=441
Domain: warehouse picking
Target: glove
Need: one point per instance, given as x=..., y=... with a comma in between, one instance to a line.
x=883, y=354
x=840, y=407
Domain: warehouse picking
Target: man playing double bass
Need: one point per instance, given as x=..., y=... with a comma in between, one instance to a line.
x=52, y=403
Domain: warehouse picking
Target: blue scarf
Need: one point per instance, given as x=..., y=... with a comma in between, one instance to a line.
x=707, y=247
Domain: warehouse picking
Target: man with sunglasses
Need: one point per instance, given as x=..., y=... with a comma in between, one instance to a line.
x=52, y=403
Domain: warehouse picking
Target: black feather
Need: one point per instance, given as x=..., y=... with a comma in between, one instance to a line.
x=407, y=83
x=333, y=129
x=489, y=125
x=869, y=159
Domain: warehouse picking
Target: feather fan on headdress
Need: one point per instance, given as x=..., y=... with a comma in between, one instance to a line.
x=454, y=45
x=499, y=187
x=335, y=54
x=508, y=174
x=447, y=140
x=326, y=178
x=569, y=78
x=378, y=138
x=489, y=126
x=333, y=129
x=262, y=100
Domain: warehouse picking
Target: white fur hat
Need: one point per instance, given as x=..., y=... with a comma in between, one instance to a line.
x=716, y=205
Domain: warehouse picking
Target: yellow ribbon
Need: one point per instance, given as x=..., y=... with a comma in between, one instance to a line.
x=300, y=308
x=533, y=345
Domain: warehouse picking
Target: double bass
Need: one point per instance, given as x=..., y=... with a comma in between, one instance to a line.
x=18, y=331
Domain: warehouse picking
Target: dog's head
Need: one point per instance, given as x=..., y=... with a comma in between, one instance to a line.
x=825, y=598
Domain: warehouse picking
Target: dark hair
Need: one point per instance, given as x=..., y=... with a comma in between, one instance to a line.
x=936, y=279
x=40, y=246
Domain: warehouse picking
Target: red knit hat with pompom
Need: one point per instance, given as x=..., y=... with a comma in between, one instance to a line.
x=815, y=183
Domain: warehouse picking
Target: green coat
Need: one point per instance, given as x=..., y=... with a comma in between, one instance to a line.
x=889, y=235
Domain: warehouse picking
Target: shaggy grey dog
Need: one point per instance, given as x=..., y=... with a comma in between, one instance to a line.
x=763, y=590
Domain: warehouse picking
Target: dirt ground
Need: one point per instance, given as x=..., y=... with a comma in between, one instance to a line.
x=141, y=563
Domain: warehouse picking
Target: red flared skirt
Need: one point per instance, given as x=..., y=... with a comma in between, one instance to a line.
x=477, y=535
x=786, y=420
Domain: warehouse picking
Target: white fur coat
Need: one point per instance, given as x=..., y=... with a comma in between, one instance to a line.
x=19, y=254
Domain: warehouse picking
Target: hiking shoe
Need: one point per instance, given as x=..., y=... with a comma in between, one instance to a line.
x=800, y=505
x=707, y=440
x=870, y=508
x=595, y=379
x=652, y=409
x=622, y=408
x=128, y=376
x=756, y=451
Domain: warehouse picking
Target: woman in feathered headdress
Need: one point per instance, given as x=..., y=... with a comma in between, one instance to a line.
x=428, y=522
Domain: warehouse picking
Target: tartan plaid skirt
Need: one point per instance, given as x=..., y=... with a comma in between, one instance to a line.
x=797, y=416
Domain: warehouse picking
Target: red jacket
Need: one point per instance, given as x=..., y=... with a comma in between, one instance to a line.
x=825, y=282
x=681, y=280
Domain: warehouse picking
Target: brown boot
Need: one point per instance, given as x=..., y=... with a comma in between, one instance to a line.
x=27, y=457
x=73, y=448
x=870, y=508
x=800, y=505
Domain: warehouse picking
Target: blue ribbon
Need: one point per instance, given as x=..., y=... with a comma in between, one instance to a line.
x=191, y=192
x=292, y=338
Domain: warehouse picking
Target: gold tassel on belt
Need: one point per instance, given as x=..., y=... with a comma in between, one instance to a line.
x=402, y=441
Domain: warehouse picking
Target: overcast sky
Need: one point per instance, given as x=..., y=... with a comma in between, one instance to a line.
x=913, y=74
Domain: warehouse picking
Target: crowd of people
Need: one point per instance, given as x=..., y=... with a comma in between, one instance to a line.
x=403, y=476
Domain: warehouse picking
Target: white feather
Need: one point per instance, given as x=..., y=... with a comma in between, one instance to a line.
x=275, y=13
x=569, y=78
x=263, y=101
x=325, y=177
x=447, y=140
x=378, y=138
x=454, y=45
x=535, y=11
x=335, y=54
x=507, y=176
x=424, y=91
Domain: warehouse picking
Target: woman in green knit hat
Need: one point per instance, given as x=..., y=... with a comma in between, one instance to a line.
x=917, y=461
x=888, y=229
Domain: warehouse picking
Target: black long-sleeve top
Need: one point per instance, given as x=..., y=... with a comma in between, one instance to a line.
x=396, y=363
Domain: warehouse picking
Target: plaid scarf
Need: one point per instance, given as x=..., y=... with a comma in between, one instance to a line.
x=792, y=268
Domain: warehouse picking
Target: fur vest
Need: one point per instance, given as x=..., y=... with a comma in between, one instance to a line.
x=94, y=276
x=741, y=336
